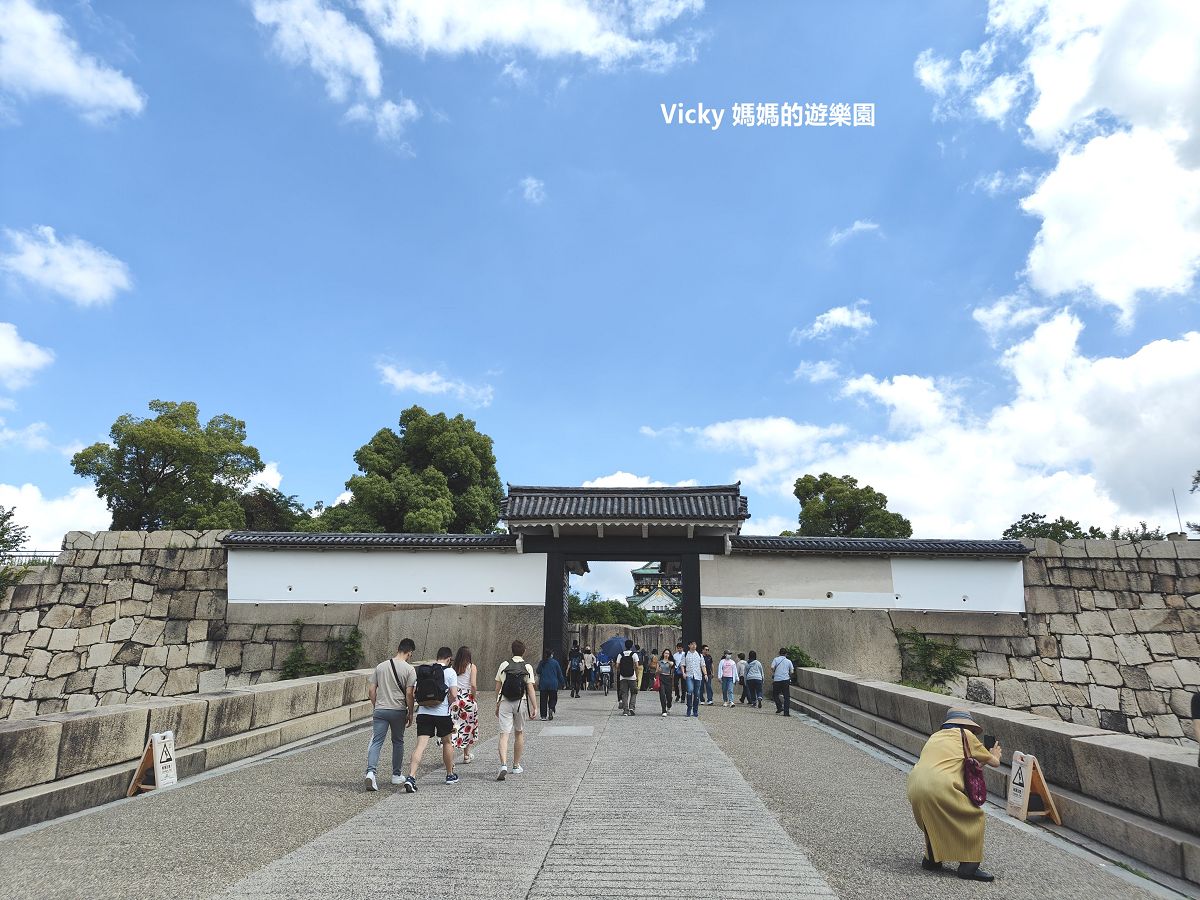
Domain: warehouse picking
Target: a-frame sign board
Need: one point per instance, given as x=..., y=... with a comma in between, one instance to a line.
x=1026, y=783
x=157, y=764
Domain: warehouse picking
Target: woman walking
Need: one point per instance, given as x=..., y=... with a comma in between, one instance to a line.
x=754, y=680
x=666, y=678
x=465, y=711
x=727, y=671
x=952, y=823
x=550, y=678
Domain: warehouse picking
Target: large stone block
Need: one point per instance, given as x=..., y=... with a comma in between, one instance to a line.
x=1156, y=620
x=298, y=729
x=1075, y=646
x=1074, y=671
x=1115, y=768
x=186, y=716
x=1050, y=600
x=283, y=700
x=182, y=681
x=1048, y=740
x=100, y=737
x=240, y=746
x=229, y=713
x=29, y=750
x=1143, y=839
x=1163, y=675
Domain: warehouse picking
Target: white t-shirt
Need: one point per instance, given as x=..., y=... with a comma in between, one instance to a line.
x=781, y=669
x=443, y=708
x=636, y=662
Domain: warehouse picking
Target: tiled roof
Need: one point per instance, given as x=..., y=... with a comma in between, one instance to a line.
x=876, y=546
x=719, y=503
x=291, y=539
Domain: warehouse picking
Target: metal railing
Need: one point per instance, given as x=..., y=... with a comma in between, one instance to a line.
x=29, y=558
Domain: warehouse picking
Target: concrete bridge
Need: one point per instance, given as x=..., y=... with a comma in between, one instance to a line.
x=738, y=804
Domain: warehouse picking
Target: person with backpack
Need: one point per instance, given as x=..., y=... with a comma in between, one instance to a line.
x=436, y=689
x=514, y=685
x=391, y=693
x=628, y=664
x=709, y=672
x=589, y=667
x=754, y=680
x=649, y=669
x=575, y=668
x=550, y=679
x=727, y=672
x=781, y=683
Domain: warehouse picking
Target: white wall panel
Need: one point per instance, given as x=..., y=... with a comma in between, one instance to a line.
x=386, y=576
x=970, y=585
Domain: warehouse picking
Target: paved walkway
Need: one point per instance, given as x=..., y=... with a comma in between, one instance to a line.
x=775, y=807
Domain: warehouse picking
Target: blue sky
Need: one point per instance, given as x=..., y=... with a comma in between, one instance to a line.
x=313, y=213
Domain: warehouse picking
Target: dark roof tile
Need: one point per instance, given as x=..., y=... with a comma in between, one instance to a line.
x=877, y=546
x=282, y=540
x=719, y=503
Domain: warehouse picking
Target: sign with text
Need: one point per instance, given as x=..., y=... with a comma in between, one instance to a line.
x=1025, y=784
x=157, y=766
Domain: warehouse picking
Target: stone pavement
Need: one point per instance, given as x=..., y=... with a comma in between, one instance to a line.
x=777, y=808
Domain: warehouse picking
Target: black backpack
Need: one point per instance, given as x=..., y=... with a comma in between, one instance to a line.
x=515, y=676
x=626, y=667
x=431, y=684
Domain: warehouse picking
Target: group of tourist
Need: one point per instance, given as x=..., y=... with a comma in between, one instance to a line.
x=440, y=698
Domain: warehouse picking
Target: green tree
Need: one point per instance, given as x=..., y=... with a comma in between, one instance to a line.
x=433, y=475
x=171, y=472
x=12, y=539
x=1142, y=532
x=832, y=506
x=591, y=609
x=1195, y=526
x=269, y=509
x=1034, y=525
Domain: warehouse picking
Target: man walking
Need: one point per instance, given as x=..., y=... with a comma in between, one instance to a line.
x=575, y=668
x=436, y=688
x=628, y=663
x=514, y=686
x=391, y=694
x=696, y=674
x=708, y=676
x=680, y=686
x=781, y=683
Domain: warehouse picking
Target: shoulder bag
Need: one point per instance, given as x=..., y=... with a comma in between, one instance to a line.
x=974, y=785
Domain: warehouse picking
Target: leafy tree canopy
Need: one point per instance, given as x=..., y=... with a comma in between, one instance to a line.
x=269, y=509
x=1035, y=525
x=833, y=506
x=590, y=608
x=433, y=475
x=171, y=472
x=12, y=534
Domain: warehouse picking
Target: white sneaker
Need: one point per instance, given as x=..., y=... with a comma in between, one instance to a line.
x=664, y=715
x=503, y=772
x=397, y=779
x=518, y=769
x=372, y=784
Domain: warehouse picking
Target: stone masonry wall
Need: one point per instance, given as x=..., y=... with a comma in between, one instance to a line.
x=1113, y=638
x=125, y=615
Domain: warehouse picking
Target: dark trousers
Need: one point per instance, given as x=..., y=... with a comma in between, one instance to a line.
x=680, y=688
x=664, y=692
x=781, y=693
x=576, y=681
x=753, y=690
x=548, y=702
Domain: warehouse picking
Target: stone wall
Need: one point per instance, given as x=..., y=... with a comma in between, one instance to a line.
x=125, y=615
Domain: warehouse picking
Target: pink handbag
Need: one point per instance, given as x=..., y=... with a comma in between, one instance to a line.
x=974, y=785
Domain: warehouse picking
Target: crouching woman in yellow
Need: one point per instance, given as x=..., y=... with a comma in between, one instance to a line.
x=953, y=825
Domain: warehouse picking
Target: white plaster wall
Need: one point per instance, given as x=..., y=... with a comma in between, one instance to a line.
x=864, y=582
x=387, y=576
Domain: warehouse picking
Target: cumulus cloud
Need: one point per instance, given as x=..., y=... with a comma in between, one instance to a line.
x=860, y=226
x=605, y=33
x=70, y=267
x=854, y=319
x=389, y=119
x=404, y=380
x=533, y=190
x=1008, y=314
x=1004, y=182
x=50, y=518
x=19, y=358
x=1112, y=92
x=30, y=437
x=1100, y=440
x=39, y=58
x=270, y=477
x=816, y=372
x=628, y=479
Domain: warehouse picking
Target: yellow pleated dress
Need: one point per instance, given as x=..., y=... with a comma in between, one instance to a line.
x=953, y=824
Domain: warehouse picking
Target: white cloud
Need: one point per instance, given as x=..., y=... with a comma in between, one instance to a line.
x=50, y=518
x=816, y=372
x=390, y=119
x=19, y=359
x=597, y=31
x=343, y=498
x=308, y=31
x=38, y=58
x=770, y=525
x=851, y=318
x=628, y=479
x=73, y=268
x=1112, y=90
x=860, y=226
x=533, y=190
x=31, y=437
x=515, y=73
x=1140, y=233
x=1008, y=314
x=1004, y=183
x=435, y=383
x=611, y=580
x=1099, y=440
x=270, y=477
